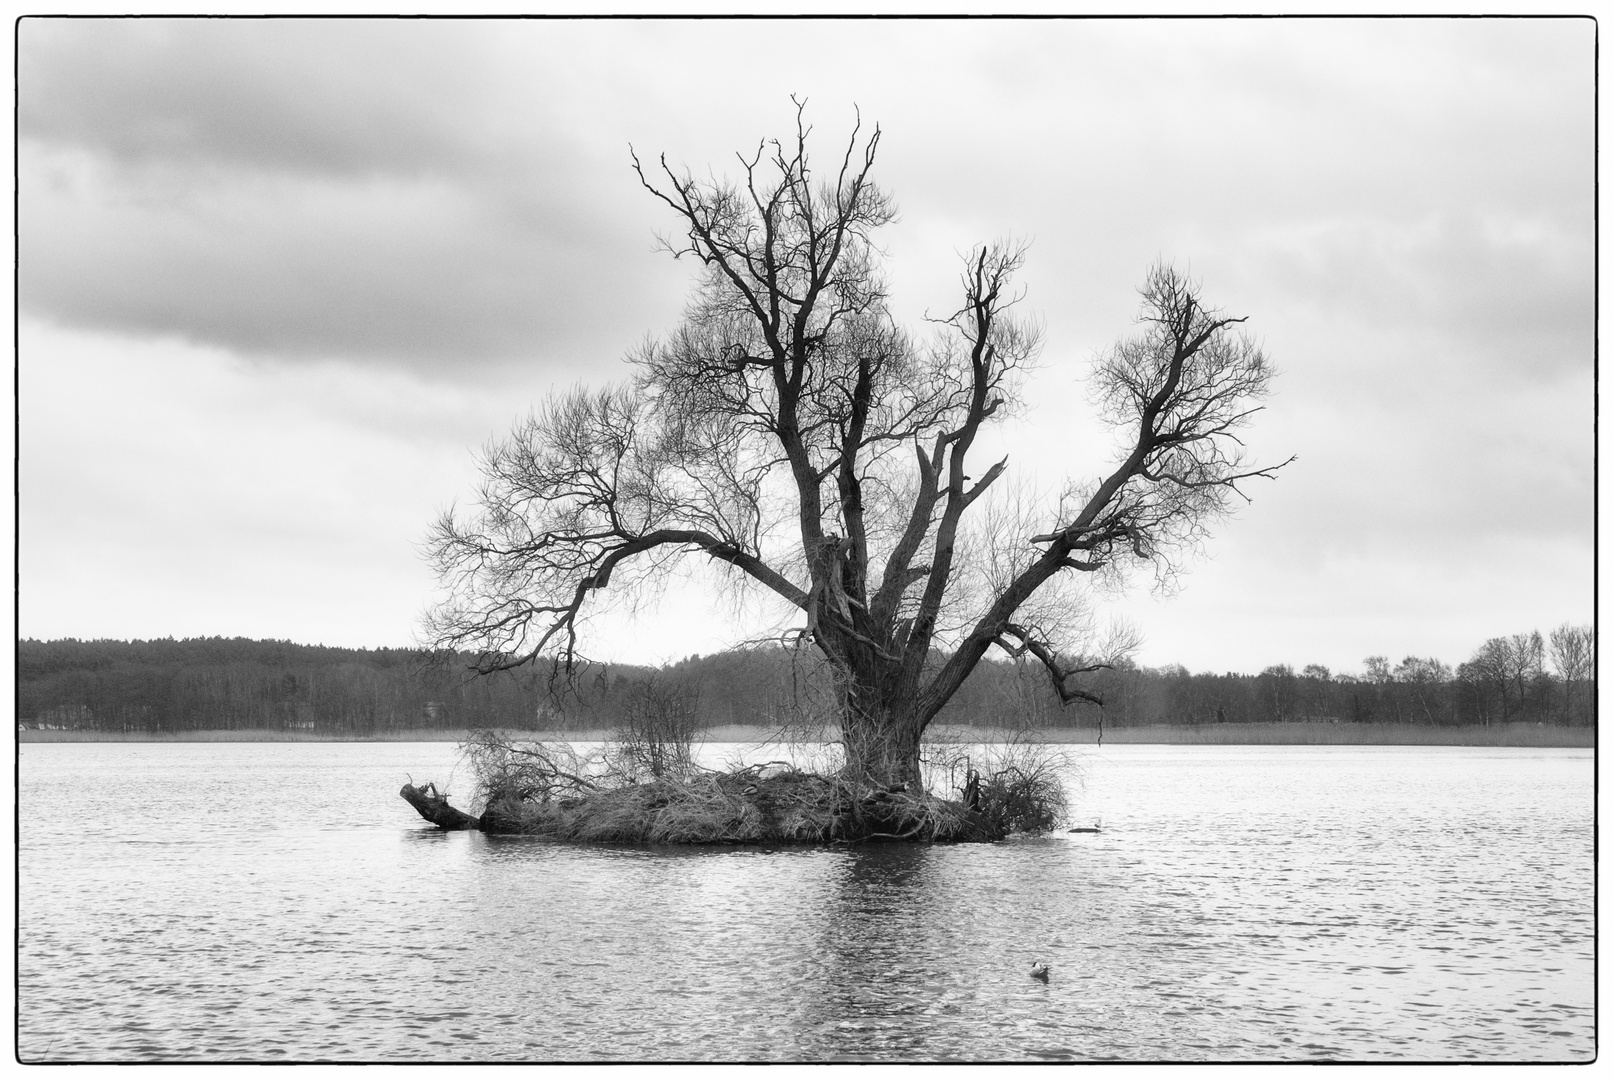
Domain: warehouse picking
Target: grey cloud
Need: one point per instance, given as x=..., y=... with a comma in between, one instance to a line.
x=336, y=96
x=443, y=192
x=292, y=266
x=1506, y=294
x=309, y=190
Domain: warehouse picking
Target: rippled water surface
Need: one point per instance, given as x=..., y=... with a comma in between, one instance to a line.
x=278, y=901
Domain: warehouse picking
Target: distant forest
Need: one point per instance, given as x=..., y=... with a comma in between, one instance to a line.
x=201, y=684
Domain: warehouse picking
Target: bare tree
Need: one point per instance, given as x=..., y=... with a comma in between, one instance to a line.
x=1573, y=654
x=1422, y=679
x=656, y=734
x=1525, y=660
x=1505, y=667
x=789, y=430
x=1277, y=690
x=1315, y=685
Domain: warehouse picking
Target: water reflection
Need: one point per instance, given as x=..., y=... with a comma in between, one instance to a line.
x=872, y=973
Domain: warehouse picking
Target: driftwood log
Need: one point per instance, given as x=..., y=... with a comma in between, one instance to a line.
x=435, y=809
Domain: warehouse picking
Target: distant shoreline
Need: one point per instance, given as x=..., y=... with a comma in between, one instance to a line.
x=1160, y=734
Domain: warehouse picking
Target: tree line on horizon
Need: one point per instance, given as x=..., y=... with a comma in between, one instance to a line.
x=199, y=684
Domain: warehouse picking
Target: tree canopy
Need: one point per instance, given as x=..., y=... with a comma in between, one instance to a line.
x=791, y=430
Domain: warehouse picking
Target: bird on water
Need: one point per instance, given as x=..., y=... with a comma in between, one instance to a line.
x=1039, y=970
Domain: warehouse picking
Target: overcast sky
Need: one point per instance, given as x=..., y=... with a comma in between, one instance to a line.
x=280, y=279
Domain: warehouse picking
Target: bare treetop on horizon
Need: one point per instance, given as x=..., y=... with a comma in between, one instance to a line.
x=790, y=429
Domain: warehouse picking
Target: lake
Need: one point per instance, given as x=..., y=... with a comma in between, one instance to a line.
x=280, y=902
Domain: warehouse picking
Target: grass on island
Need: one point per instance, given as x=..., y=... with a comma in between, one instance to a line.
x=603, y=795
x=745, y=806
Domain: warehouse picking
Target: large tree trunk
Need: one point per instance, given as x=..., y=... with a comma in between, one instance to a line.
x=881, y=743
x=880, y=722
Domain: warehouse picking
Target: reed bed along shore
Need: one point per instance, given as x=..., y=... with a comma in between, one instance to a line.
x=1333, y=735
x=1166, y=734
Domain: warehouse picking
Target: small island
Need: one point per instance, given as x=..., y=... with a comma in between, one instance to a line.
x=647, y=790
